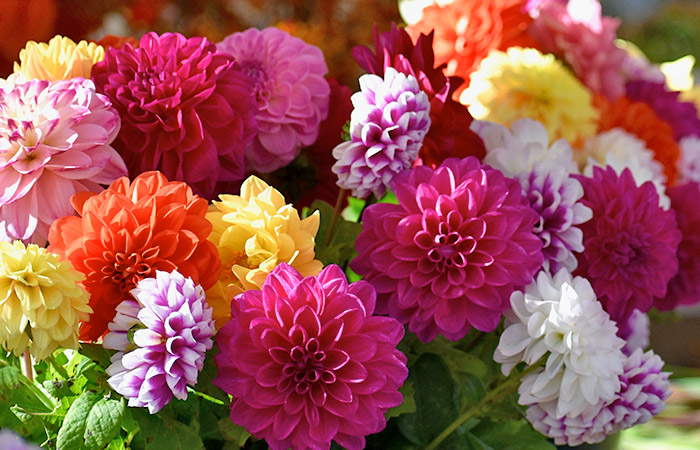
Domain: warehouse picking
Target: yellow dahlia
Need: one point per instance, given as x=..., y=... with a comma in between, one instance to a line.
x=522, y=82
x=60, y=59
x=41, y=300
x=255, y=232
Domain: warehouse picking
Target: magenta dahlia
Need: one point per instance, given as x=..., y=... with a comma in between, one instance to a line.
x=306, y=361
x=291, y=92
x=448, y=256
x=187, y=110
x=630, y=243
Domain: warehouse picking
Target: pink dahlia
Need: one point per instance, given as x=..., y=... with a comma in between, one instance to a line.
x=291, y=93
x=449, y=255
x=630, y=243
x=55, y=140
x=578, y=33
x=306, y=361
x=684, y=288
x=186, y=109
x=682, y=116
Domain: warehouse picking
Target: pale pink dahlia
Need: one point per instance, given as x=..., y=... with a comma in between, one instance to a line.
x=291, y=93
x=630, y=243
x=306, y=361
x=161, y=340
x=449, y=255
x=54, y=141
x=186, y=108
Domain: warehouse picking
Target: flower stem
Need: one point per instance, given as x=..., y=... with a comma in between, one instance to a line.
x=27, y=367
x=59, y=368
x=497, y=395
x=336, y=213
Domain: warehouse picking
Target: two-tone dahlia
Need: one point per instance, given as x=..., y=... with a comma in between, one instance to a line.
x=630, y=242
x=161, y=340
x=55, y=140
x=559, y=316
x=307, y=362
x=59, y=59
x=42, y=300
x=689, y=162
x=634, y=330
x=187, y=110
x=291, y=94
x=391, y=117
x=447, y=257
x=643, y=389
x=127, y=232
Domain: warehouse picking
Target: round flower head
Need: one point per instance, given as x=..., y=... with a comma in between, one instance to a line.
x=306, y=361
x=525, y=83
x=126, y=233
x=560, y=317
x=255, y=232
x=448, y=256
x=621, y=150
x=630, y=242
x=643, y=389
x=60, y=59
x=186, y=109
x=42, y=300
x=683, y=116
x=689, y=162
x=291, y=93
x=54, y=141
x=387, y=127
x=161, y=340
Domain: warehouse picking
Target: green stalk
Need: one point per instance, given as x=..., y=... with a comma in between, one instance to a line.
x=336, y=213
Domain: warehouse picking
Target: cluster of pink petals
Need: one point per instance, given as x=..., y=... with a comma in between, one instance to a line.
x=682, y=116
x=449, y=255
x=55, y=140
x=578, y=33
x=630, y=243
x=186, y=109
x=306, y=361
x=292, y=95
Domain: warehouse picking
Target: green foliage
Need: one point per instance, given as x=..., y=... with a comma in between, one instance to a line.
x=340, y=249
x=92, y=421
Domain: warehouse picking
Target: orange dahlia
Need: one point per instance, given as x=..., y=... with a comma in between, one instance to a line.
x=129, y=231
x=639, y=119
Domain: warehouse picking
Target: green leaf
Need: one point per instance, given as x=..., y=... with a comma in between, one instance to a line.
x=512, y=435
x=408, y=405
x=341, y=247
x=206, y=377
x=97, y=353
x=17, y=390
x=92, y=421
x=232, y=432
x=353, y=212
x=159, y=432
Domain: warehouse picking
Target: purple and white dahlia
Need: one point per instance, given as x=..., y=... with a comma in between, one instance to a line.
x=162, y=338
x=387, y=127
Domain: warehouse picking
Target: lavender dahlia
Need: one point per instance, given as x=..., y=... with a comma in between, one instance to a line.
x=306, y=361
x=172, y=328
x=387, y=127
x=186, y=109
x=449, y=255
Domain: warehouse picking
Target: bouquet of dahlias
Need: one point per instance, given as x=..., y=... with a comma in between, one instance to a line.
x=514, y=190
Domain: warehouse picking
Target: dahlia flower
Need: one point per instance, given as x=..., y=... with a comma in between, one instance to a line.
x=449, y=134
x=9, y=440
x=448, y=256
x=186, y=109
x=683, y=116
x=643, y=389
x=391, y=117
x=522, y=82
x=578, y=33
x=306, y=361
x=466, y=30
x=254, y=232
x=684, y=287
x=634, y=330
x=60, y=59
x=127, y=232
x=621, y=150
x=161, y=340
x=42, y=300
x=55, y=140
x=291, y=93
x=630, y=242
x=689, y=162
x=544, y=174
x=559, y=316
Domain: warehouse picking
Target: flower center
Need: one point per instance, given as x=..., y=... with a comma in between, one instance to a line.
x=126, y=270
x=622, y=249
x=306, y=367
x=450, y=249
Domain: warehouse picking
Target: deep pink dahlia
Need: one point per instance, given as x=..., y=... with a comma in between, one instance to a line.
x=306, y=361
x=630, y=243
x=291, y=93
x=683, y=116
x=449, y=255
x=684, y=288
x=55, y=140
x=187, y=110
